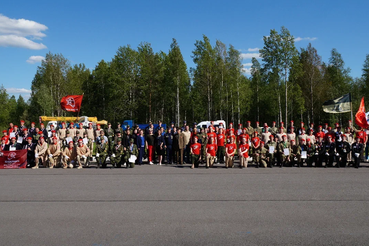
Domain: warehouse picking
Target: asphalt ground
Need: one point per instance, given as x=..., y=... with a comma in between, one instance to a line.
x=175, y=205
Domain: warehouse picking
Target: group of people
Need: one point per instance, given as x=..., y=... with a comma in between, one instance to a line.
x=74, y=146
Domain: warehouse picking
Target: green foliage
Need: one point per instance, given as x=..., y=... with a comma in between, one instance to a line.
x=143, y=85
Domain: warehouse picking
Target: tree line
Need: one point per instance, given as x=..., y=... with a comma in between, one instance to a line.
x=144, y=85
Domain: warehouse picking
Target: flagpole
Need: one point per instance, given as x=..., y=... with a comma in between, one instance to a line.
x=352, y=117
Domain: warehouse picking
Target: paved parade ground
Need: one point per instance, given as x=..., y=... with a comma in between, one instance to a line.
x=170, y=205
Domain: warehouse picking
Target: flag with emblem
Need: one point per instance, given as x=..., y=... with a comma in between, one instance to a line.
x=71, y=103
x=338, y=105
x=360, y=117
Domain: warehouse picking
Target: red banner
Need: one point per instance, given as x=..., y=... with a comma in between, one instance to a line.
x=71, y=103
x=360, y=117
x=13, y=159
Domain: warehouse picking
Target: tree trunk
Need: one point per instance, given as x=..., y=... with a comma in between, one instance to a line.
x=221, y=97
x=285, y=82
x=209, y=106
x=238, y=98
x=178, y=100
x=257, y=100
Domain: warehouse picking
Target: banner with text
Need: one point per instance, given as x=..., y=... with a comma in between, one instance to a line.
x=13, y=159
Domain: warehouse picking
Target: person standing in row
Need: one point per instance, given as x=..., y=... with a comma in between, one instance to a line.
x=141, y=147
x=150, y=146
x=221, y=141
x=168, y=137
x=179, y=146
x=159, y=146
x=187, y=135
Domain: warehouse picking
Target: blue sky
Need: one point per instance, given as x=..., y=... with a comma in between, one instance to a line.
x=88, y=31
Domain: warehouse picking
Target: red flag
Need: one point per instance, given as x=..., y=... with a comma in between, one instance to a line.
x=13, y=159
x=360, y=117
x=71, y=103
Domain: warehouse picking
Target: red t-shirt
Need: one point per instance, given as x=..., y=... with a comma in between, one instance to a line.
x=362, y=136
x=244, y=147
x=214, y=135
x=196, y=148
x=220, y=139
x=256, y=141
x=211, y=149
x=228, y=132
x=319, y=134
x=241, y=136
x=230, y=148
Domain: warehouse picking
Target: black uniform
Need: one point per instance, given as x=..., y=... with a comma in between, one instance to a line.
x=320, y=149
x=30, y=154
x=343, y=148
x=357, y=149
x=17, y=146
x=330, y=150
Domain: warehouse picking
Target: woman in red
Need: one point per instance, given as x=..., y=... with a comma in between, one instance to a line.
x=195, y=153
x=243, y=153
x=150, y=143
x=221, y=146
x=210, y=152
x=230, y=151
x=255, y=143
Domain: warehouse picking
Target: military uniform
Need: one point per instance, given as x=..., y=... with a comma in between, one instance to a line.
x=259, y=130
x=62, y=133
x=40, y=153
x=117, y=155
x=296, y=155
x=273, y=130
x=330, y=151
x=320, y=149
x=69, y=157
x=343, y=148
x=203, y=139
x=131, y=150
x=83, y=152
x=101, y=154
x=110, y=134
x=54, y=155
x=284, y=159
x=250, y=130
x=91, y=136
x=271, y=156
x=261, y=156
x=357, y=150
x=312, y=154
x=72, y=132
